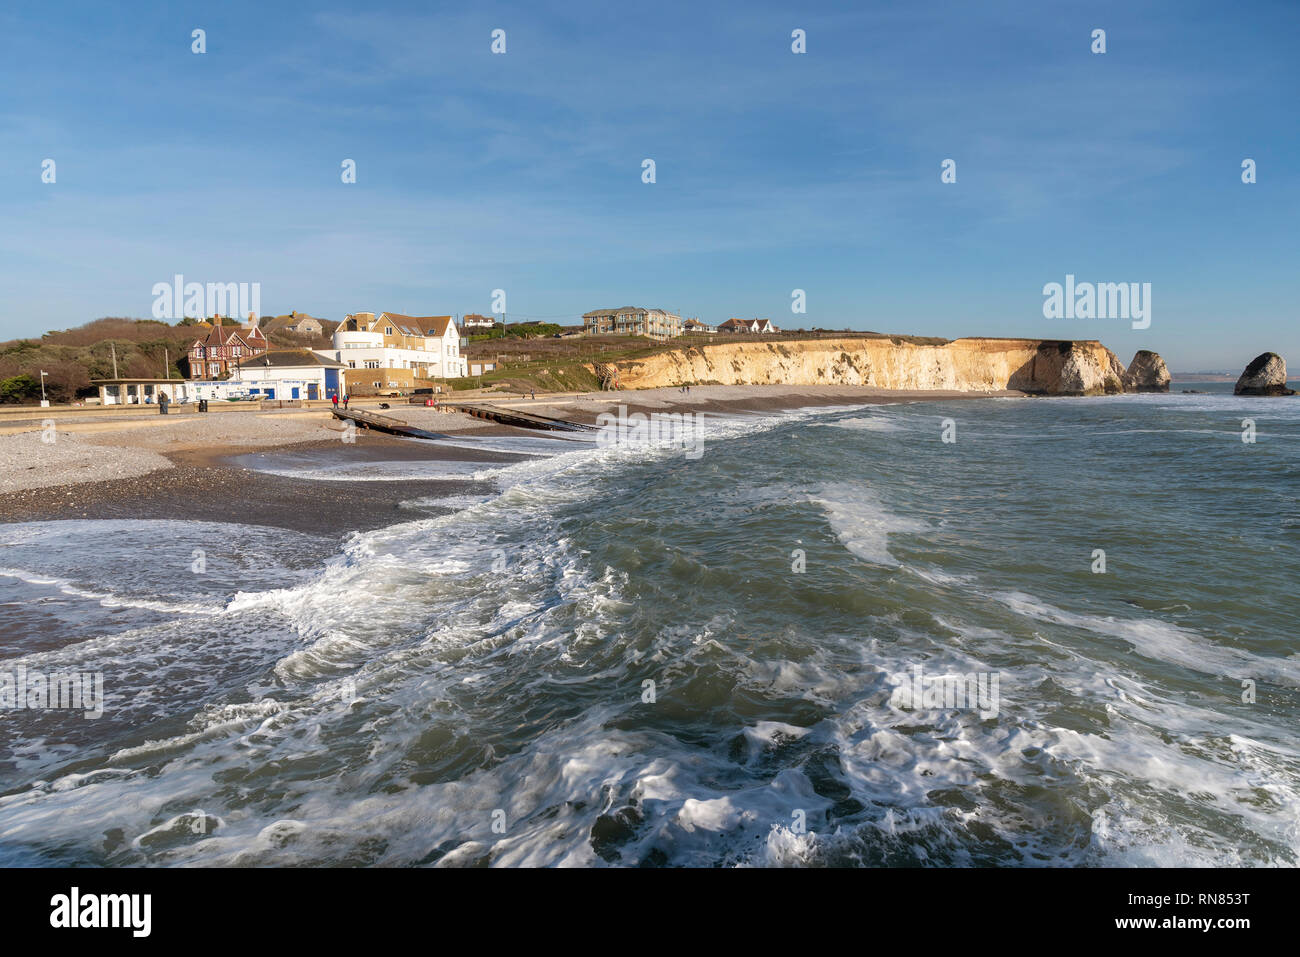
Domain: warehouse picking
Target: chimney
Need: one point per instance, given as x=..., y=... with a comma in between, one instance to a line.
x=216, y=320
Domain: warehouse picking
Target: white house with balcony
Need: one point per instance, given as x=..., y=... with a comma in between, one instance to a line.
x=390, y=351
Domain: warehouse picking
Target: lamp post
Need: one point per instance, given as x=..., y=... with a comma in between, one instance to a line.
x=45, y=403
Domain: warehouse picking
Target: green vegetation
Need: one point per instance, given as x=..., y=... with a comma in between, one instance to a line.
x=145, y=348
x=19, y=388
x=72, y=357
x=528, y=355
x=519, y=330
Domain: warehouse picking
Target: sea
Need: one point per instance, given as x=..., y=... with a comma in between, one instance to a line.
x=987, y=632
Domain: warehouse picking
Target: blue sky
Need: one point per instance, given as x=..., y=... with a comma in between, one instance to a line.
x=775, y=171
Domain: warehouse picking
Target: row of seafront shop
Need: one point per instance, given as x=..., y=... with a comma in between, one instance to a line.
x=292, y=374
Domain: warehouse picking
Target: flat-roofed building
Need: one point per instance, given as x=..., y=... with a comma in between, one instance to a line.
x=292, y=374
x=142, y=391
x=632, y=321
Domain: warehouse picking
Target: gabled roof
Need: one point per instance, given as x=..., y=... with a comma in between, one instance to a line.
x=751, y=324
x=414, y=325
x=227, y=335
x=284, y=322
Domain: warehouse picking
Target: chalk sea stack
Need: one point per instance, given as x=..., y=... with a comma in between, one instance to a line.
x=1146, y=373
x=1266, y=375
x=1086, y=371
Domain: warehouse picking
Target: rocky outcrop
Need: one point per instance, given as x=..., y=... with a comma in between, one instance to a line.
x=1084, y=371
x=1266, y=375
x=1042, y=367
x=1147, y=373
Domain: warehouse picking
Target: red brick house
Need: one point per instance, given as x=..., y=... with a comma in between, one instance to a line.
x=224, y=349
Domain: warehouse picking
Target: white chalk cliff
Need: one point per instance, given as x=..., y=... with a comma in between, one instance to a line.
x=1044, y=367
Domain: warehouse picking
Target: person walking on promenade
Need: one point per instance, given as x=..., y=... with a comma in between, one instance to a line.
x=345, y=402
x=335, y=397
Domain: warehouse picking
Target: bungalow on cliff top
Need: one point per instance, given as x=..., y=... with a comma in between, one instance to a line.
x=748, y=325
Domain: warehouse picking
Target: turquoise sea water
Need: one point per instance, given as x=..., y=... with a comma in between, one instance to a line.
x=629, y=656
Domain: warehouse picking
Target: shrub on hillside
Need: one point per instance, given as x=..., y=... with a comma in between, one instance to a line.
x=19, y=388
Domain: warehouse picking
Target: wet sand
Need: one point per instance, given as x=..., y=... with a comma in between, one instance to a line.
x=204, y=486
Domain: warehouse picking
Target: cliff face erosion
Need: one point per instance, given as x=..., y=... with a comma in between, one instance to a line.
x=1043, y=367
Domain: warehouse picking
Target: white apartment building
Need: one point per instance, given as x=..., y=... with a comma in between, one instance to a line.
x=391, y=351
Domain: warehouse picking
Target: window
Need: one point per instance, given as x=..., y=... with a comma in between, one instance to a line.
x=388, y=331
x=214, y=368
x=376, y=384
x=372, y=363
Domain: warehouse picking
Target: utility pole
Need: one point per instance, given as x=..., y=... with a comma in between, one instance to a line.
x=167, y=364
x=113, y=346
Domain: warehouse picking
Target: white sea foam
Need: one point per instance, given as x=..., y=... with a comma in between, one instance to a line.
x=862, y=522
x=415, y=641
x=401, y=471
x=110, y=599
x=874, y=423
x=1162, y=641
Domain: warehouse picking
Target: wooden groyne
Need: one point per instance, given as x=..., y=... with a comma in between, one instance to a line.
x=524, y=420
x=384, y=423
